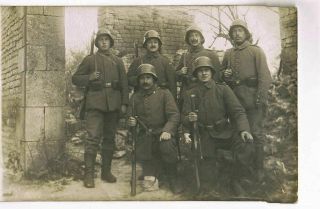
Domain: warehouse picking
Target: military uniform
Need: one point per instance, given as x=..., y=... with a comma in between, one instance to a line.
x=250, y=82
x=221, y=118
x=188, y=81
x=157, y=110
x=164, y=69
x=105, y=94
x=104, y=97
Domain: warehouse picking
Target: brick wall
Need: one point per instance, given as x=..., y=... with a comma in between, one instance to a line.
x=288, y=30
x=33, y=83
x=12, y=43
x=128, y=24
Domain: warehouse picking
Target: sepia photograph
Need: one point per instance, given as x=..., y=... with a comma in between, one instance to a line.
x=149, y=103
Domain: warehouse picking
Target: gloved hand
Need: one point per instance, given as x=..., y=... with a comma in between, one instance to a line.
x=165, y=136
x=94, y=76
x=192, y=117
x=246, y=136
x=132, y=122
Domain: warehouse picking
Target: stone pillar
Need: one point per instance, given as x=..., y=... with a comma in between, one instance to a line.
x=39, y=116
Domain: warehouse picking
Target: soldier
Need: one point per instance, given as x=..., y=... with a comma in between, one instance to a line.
x=246, y=71
x=195, y=40
x=155, y=111
x=164, y=69
x=103, y=74
x=222, y=123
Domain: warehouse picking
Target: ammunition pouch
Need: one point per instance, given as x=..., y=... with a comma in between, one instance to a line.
x=250, y=82
x=115, y=84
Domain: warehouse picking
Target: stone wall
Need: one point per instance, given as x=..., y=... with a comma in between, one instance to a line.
x=288, y=30
x=128, y=24
x=33, y=83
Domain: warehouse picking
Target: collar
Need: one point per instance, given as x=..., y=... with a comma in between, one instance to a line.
x=106, y=53
x=152, y=54
x=243, y=45
x=208, y=85
x=150, y=91
x=196, y=49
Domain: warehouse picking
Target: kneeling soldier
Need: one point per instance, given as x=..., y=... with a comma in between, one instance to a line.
x=155, y=111
x=222, y=122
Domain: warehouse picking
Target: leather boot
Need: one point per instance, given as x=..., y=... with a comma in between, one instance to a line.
x=106, y=174
x=89, y=161
x=175, y=184
x=259, y=163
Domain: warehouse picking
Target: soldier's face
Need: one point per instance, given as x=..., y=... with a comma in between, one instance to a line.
x=146, y=81
x=204, y=74
x=153, y=45
x=194, y=38
x=104, y=42
x=239, y=35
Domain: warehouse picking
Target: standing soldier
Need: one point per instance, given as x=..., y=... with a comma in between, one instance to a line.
x=164, y=69
x=222, y=123
x=103, y=74
x=195, y=40
x=155, y=111
x=246, y=71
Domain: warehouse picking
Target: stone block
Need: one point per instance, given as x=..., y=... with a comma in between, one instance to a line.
x=54, y=123
x=56, y=58
x=45, y=88
x=34, y=124
x=36, y=155
x=45, y=30
x=36, y=58
x=35, y=10
x=54, y=11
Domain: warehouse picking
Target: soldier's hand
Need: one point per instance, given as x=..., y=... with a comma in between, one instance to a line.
x=123, y=109
x=132, y=122
x=246, y=136
x=94, y=76
x=192, y=117
x=227, y=73
x=187, y=138
x=165, y=136
x=184, y=70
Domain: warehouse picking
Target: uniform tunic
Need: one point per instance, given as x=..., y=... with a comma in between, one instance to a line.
x=164, y=70
x=188, y=80
x=103, y=99
x=221, y=117
x=158, y=111
x=249, y=61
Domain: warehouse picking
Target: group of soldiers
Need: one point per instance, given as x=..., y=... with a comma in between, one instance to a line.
x=227, y=102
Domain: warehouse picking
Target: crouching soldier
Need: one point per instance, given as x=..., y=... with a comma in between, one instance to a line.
x=155, y=111
x=222, y=124
x=103, y=74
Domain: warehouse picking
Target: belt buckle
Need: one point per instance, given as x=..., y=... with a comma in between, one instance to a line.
x=107, y=85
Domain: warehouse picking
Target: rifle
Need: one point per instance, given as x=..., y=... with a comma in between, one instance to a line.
x=136, y=49
x=82, y=107
x=134, y=131
x=196, y=143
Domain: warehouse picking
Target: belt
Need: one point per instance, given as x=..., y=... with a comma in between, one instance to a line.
x=107, y=85
x=206, y=126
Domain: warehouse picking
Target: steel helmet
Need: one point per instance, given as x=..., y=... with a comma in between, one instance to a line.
x=104, y=31
x=151, y=34
x=147, y=69
x=193, y=28
x=238, y=22
x=202, y=61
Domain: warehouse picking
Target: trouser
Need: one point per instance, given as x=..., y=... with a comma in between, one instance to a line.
x=256, y=119
x=101, y=128
x=240, y=160
x=154, y=155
